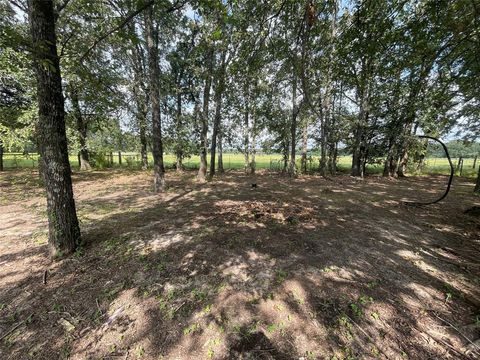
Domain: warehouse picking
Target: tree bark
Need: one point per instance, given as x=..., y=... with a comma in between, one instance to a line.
x=359, y=147
x=142, y=124
x=141, y=110
x=477, y=184
x=253, y=150
x=178, y=130
x=292, y=169
x=329, y=109
x=202, y=171
x=1, y=155
x=82, y=128
x=246, y=129
x=218, y=110
x=390, y=166
x=64, y=232
x=304, y=147
x=154, y=74
x=221, y=170
x=333, y=134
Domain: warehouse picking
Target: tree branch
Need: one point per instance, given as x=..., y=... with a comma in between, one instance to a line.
x=116, y=28
x=178, y=5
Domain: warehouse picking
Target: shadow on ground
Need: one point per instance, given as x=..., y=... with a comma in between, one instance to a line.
x=306, y=268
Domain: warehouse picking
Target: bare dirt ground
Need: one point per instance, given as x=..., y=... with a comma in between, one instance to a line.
x=307, y=268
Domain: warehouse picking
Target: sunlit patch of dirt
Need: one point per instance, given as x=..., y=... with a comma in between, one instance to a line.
x=306, y=268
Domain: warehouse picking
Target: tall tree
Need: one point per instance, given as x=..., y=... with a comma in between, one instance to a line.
x=218, y=98
x=151, y=29
x=64, y=231
x=202, y=171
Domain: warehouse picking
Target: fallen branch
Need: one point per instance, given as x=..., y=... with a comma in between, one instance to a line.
x=179, y=307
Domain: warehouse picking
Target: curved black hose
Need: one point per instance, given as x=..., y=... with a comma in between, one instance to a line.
x=452, y=172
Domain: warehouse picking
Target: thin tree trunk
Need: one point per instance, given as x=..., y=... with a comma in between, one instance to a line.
x=63, y=230
x=142, y=122
x=141, y=107
x=477, y=184
x=459, y=162
x=178, y=147
x=403, y=159
x=324, y=126
x=253, y=146
x=333, y=136
x=202, y=171
x=293, y=128
x=358, y=156
x=1, y=155
x=304, y=147
x=154, y=74
x=218, y=111
x=329, y=108
x=82, y=131
x=221, y=170
x=286, y=148
x=246, y=130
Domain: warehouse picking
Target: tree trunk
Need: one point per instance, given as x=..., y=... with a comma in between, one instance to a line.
x=218, y=110
x=202, y=171
x=84, y=158
x=333, y=136
x=359, y=148
x=253, y=150
x=141, y=108
x=474, y=162
x=324, y=125
x=286, y=148
x=477, y=184
x=1, y=155
x=178, y=130
x=327, y=163
x=221, y=170
x=390, y=166
x=154, y=74
x=459, y=163
x=142, y=122
x=357, y=168
x=63, y=230
x=246, y=129
x=293, y=129
x=304, y=147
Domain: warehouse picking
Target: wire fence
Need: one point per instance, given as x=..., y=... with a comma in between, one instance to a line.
x=236, y=161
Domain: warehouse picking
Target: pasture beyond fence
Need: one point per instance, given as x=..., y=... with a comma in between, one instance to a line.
x=235, y=161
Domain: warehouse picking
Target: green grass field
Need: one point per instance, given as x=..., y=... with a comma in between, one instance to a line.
x=236, y=161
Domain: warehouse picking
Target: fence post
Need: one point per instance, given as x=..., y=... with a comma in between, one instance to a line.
x=119, y=158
